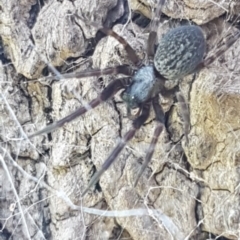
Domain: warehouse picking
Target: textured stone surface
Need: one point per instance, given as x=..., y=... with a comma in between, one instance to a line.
x=200, y=12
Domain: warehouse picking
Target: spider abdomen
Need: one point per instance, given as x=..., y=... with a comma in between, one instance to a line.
x=179, y=52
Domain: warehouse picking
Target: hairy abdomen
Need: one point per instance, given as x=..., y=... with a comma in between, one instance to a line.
x=179, y=52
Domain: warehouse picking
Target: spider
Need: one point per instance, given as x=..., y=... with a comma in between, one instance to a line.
x=179, y=53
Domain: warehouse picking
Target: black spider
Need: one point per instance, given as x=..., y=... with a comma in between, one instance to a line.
x=179, y=53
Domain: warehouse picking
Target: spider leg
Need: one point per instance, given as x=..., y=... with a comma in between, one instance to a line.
x=185, y=114
x=152, y=37
x=109, y=32
x=183, y=106
x=121, y=69
x=107, y=93
x=137, y=123
x=160, y=118
x=227, y=43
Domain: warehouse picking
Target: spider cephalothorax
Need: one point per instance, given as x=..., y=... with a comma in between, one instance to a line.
x=179, y=53
x=142, y=88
